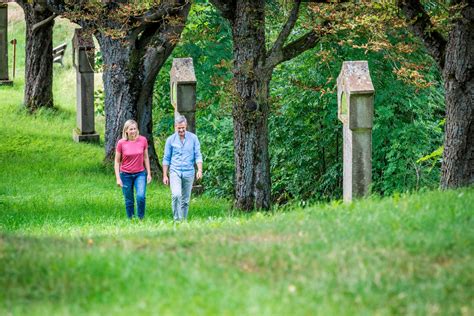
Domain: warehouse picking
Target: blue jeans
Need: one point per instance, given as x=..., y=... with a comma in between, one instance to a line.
x=180, y=195
x=131, y=181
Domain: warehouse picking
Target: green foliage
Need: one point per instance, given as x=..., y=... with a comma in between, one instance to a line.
x=305, y=134
x=99, y=102
x=406, y=125
x=218, y=149
x=437, y=154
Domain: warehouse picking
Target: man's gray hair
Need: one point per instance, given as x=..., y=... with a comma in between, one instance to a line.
x=180, y=119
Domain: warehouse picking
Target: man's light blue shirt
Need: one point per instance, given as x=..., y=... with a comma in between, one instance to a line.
x=181, y=156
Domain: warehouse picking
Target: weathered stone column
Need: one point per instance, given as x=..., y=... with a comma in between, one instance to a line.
x=183, y=90
x=355, y=98
x=83, y=61
x=4, y=80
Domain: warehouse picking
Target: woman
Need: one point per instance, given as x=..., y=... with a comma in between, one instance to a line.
x=132, y=167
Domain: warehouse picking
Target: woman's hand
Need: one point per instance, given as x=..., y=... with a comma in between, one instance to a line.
x=148, y=178
x=166, y=181
x=119, y=183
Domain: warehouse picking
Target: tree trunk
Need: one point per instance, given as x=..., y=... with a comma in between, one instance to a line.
x=38, y=57
x=251, y=107
x=130, y=70
x=120, y=93
x=458, y=72
x=123, y=85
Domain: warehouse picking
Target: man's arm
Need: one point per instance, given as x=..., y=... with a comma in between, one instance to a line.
x=198, y=158
x=199, y=172
x=166, y=161
x=166, y=181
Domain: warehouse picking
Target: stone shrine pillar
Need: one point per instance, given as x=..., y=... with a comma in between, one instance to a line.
x=355, y=99
x=183, y=90
x=4, y=80
x=83, y=61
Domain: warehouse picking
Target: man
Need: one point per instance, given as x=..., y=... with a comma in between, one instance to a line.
x=182, y=151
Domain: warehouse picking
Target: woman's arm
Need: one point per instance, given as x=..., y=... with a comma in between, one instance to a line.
x=118, y=159
x=146, y=160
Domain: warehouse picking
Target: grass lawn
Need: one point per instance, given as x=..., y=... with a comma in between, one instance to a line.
x=66, y=247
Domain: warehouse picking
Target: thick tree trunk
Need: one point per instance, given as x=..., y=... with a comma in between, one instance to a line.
x=119, y=88
x=251, y=107
x=458, y=157
x=130, y=70
x=253, y=67
x=455, y=57
x=123, y=85
x=38, y=57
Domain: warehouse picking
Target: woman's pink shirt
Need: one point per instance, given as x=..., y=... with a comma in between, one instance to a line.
x=132, y=154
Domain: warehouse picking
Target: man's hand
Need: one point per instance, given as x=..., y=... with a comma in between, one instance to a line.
x=199, y=175
x=166, y=181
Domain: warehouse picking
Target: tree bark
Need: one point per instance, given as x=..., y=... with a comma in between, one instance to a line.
x=250, y=109
x=253, y=67
x=455, y=58
x=458, y=156
x=38, y=56
x=121, y=92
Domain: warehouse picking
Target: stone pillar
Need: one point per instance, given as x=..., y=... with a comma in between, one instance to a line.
x=4, y=80
x=83, y=61
x=183, y=90
x=355, y=98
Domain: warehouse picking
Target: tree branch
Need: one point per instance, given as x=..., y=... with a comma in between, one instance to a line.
x=293, y=49
x=286, y=30
x=44, y=22
x=161, y=12
x=421, y=26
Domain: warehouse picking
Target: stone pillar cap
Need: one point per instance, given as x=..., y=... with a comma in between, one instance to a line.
x=182, y=71
x=354, y=77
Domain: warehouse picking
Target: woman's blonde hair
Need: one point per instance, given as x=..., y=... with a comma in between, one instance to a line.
x=127, y=124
